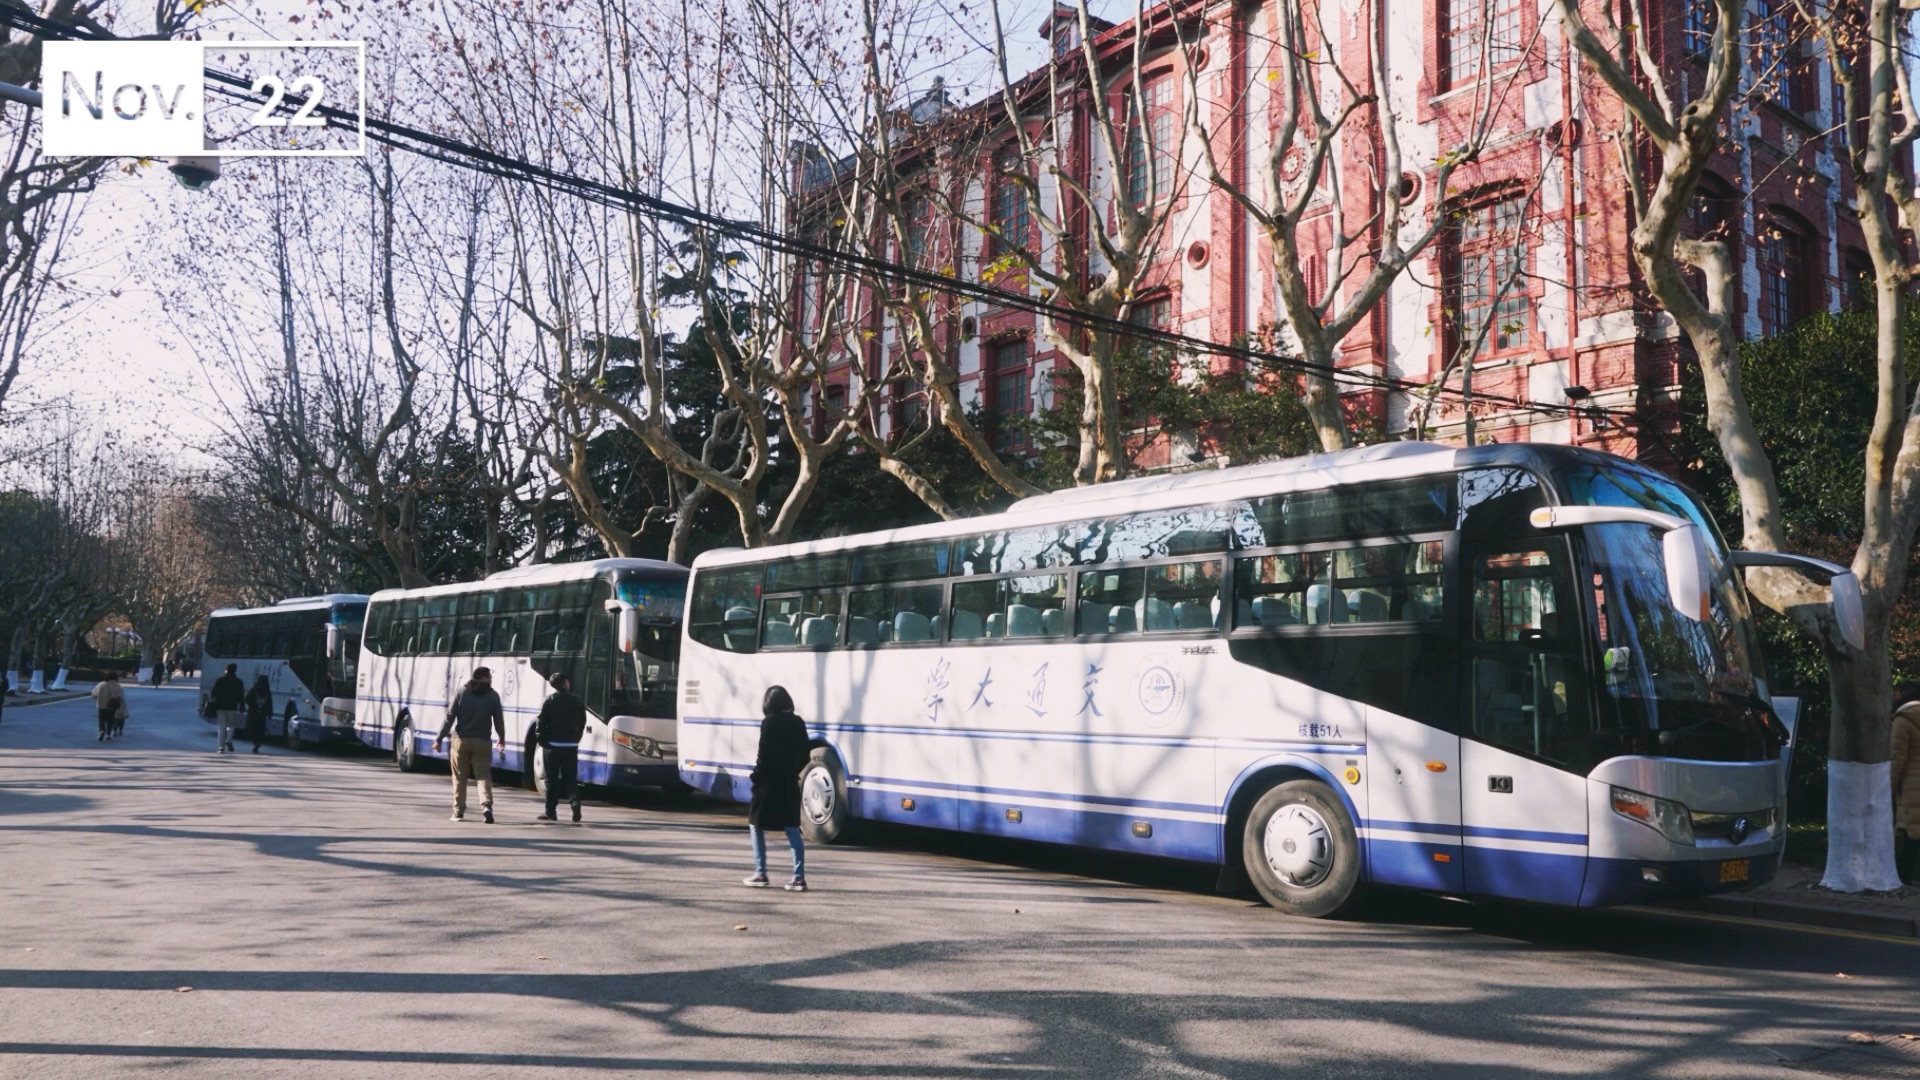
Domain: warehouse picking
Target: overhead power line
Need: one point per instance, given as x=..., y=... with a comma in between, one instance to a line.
x=466, y=155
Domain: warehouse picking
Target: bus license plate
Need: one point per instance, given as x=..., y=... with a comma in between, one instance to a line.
x=1733, y=870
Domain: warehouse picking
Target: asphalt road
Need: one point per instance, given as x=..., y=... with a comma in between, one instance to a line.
x=166, y=911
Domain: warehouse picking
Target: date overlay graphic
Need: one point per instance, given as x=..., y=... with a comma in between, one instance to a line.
x=154, y=99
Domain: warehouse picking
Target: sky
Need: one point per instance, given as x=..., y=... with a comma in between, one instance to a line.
x=110, y=351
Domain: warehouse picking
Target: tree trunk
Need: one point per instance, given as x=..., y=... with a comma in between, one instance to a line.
x=1859, y=780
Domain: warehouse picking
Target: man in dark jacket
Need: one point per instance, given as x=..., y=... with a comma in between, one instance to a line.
x=468, y=716
x=562, y=720
x=784, y=751
x=227, y=696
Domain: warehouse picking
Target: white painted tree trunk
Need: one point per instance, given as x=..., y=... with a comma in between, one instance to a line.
x=20, y=681
x=38, y=684
x=1860, y=827
x=145, y=676
x=59, y=681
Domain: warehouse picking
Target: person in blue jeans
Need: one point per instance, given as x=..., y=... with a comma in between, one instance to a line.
x=776, y=786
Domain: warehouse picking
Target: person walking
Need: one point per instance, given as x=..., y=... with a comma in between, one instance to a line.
x=228, y=697
x=109, y=701
x=557, y=730
x=1905, y=768
x=776, y=786
x=259, y=706
x=6, y=687
x=473, y=708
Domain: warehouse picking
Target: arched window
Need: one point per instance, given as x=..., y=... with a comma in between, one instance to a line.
x=1789, y=271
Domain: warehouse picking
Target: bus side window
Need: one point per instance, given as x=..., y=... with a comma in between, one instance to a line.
x=1524, y=691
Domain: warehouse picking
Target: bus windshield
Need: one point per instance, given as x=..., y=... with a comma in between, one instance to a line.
x=656, y=601
x=1690, y=689
x=343, y=666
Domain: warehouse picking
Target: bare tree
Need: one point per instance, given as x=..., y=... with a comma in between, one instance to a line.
x=1331, y=180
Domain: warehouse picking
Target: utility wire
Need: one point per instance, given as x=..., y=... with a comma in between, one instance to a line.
x=469, y=156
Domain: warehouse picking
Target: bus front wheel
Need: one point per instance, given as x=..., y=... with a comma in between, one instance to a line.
x=291, y=726
x=405, y=753
x=824, y=816
x=1301, y=851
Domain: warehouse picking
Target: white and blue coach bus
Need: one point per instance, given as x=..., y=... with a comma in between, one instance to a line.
x=612, y=625
x=308, y=648
x=1510, y=671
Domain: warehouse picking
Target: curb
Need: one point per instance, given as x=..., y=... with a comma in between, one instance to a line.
x=1769, y=909
x=14, y=702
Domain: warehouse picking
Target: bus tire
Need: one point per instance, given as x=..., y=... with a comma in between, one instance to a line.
x=406, y=754
x=824, y=815
x=1301, y=851
x=534, y=768
x=292, y=722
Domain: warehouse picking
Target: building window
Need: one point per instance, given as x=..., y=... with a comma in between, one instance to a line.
x=1788, y=269
x=1481, y=32
x=1012, y=218
x=919, y=230
x=1776, y=67
x=1701, y=17
x=1858, y=285
x=1011, y=402
x=1488, y=264
x=1150, y=146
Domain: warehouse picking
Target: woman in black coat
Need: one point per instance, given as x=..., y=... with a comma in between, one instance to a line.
x=776, y=786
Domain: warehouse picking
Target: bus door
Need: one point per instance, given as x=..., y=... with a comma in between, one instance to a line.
x=1523, y=808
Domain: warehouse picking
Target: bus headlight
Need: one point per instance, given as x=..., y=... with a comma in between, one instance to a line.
x=1665, y=816
x=639, y=744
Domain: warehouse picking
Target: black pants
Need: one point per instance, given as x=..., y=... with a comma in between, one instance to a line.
x=1906, y=856
x=256, y=730
x=106, y=721
x=563, y=771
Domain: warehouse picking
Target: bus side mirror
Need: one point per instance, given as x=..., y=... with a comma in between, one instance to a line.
x=1849, y=612
x=333, y=640
x=1689, y=572
x=1689, y=575
x=629, y=630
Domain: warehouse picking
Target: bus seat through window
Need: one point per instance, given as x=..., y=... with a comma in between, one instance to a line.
x=1274, y=611
x=779, y=632
x=1121, y=622
x=862, y=631
x=1192, y=615
x=911, y=626
x=1094, y=618
x=1054, y=620
x=819, y=631
x=1368, y=605
x=966, y=625
x=1326, y=603
x=937, y=628
x=1152, y=614
x=1024, y=621
x=997, y=625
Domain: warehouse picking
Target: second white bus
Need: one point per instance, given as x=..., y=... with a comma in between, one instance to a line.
x=613, y=626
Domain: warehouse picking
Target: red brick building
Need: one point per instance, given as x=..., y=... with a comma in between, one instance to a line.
x=1548, y=189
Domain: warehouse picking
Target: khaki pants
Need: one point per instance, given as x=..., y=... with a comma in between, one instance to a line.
x=472, y=758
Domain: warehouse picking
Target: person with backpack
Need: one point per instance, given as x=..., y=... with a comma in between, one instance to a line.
x=557, y=730
x=259, y=707
x=468, y=716
x=1905, y=769
x=784, y=751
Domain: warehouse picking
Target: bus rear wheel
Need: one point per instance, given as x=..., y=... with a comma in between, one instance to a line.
x=536, y=768
x=1301, y=851
x=824, y=815
x=406, y=755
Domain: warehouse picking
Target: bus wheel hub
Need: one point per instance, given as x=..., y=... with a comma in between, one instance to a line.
x=1299, y=846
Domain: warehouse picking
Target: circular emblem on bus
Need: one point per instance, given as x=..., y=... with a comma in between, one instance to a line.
x=1159, y=689
x=1738, y=834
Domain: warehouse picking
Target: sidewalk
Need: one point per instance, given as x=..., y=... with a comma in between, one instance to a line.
x=73, y=690
x=1795, y=896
